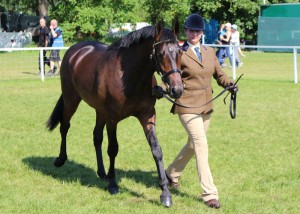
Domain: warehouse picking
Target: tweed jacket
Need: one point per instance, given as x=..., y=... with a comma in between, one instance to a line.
x=197, y=79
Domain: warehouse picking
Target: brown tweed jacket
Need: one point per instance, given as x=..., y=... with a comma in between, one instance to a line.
x=197, y=79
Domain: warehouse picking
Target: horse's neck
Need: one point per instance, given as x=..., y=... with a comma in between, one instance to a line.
x=137, y=62
x=138, y=69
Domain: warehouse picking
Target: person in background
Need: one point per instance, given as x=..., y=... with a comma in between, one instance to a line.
x=235, y=40
x=198, y=64
x=225, y=51
x=43, y=34
x=221, y=32
x=56, y=40
x=221, y=53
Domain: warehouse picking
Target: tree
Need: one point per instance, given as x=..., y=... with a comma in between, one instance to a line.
x=93, y=19
x=43, y=7
x=243, y=13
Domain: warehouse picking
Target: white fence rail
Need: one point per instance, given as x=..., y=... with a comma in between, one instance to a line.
x=23, y=62
x=293, y=48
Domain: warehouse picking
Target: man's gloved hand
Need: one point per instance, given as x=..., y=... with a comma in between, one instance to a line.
x=233, y=87
x=158, y=92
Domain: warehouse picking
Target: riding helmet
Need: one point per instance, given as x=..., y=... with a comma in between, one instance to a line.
x=194, y=22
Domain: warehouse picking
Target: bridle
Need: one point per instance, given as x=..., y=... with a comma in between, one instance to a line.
x=154, y=58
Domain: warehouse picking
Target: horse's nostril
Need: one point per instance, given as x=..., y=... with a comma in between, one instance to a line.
x=177, y=92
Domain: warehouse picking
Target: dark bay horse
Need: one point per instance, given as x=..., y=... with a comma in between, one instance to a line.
x=117, y=81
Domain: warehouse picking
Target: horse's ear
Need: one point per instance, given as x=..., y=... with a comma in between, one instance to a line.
x=176, y=27
x=158, y=30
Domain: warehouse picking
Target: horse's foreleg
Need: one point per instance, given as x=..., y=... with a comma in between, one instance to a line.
x=98, y=139
x=112, y=152
x=149, y=129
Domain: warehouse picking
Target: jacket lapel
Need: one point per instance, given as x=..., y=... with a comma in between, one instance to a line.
x=189, y=52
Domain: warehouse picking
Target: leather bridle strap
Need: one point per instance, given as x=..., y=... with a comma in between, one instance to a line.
x=184, y=106
x=169, y=73
x=158, y=69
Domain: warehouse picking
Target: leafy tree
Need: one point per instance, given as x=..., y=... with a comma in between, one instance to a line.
x=166, y=10
x=88, y=19
x=93, y=19
x=243, y=13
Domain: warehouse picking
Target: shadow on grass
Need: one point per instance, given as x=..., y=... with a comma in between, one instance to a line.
x=74, y=172
x=31, y=73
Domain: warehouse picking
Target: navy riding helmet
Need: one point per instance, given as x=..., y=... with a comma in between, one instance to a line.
x=194, y=22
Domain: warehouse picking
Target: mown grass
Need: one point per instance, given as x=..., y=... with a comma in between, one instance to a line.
x=254, y=158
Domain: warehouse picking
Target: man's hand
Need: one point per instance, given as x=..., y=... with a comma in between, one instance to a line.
x=158, y=92
x=233, y=88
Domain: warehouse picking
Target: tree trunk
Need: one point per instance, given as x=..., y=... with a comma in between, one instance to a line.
x=43, y=8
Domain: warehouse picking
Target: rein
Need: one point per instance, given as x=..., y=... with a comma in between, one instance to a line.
x=232, y=106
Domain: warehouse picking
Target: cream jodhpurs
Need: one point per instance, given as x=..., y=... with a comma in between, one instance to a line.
x=196, y=127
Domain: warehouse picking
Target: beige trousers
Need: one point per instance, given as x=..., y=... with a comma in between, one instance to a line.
x=196, y=127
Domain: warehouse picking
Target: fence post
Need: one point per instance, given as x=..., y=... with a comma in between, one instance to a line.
x=42, y=70
x=232, y=48
x=295, y=66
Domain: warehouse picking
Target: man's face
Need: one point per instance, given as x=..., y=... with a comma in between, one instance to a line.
x=42, y=22
x=193, y=36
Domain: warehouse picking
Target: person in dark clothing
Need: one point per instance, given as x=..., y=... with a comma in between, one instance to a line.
x=43, y=42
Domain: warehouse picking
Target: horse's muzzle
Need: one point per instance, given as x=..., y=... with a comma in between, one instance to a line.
x=176, y=91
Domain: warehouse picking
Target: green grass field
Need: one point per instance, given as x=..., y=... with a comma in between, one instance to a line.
x=254, y=158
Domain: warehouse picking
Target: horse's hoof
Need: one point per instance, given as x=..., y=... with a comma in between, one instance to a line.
x=166, y=201
x=113, y=190
x=58, y=162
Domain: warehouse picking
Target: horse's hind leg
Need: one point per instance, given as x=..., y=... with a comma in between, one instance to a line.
x=98, y=139
x=70, y=107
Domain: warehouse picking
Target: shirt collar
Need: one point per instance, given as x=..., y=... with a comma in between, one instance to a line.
x=193, y=46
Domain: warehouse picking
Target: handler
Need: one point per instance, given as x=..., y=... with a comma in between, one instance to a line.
x=198, y=64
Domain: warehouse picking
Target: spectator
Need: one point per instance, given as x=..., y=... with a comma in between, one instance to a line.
x=235, y=40
x=56, y=40
x=221, y=32
x=199, y=64
x=224, y=52
x=43, y=34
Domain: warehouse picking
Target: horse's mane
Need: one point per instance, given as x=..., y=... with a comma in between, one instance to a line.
x=137, y=36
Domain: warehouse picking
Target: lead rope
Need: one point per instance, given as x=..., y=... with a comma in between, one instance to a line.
x=232, y=106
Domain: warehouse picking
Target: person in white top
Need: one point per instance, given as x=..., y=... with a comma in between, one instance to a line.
x=235, y=40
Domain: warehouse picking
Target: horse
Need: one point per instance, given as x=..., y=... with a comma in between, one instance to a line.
x=117, y=81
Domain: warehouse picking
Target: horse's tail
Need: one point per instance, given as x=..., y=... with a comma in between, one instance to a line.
x=56, y=115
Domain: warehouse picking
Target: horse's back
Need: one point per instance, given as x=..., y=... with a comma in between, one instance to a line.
x=82, y=53
x=79, y=70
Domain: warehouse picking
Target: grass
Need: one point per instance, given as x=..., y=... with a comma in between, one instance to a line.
x=254, y=158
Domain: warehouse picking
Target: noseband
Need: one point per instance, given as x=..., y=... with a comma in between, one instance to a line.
x=154, y=59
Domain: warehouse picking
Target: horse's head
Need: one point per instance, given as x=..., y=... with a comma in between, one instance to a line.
x=167, y=59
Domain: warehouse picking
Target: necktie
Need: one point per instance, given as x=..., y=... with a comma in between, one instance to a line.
x=198, y=53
